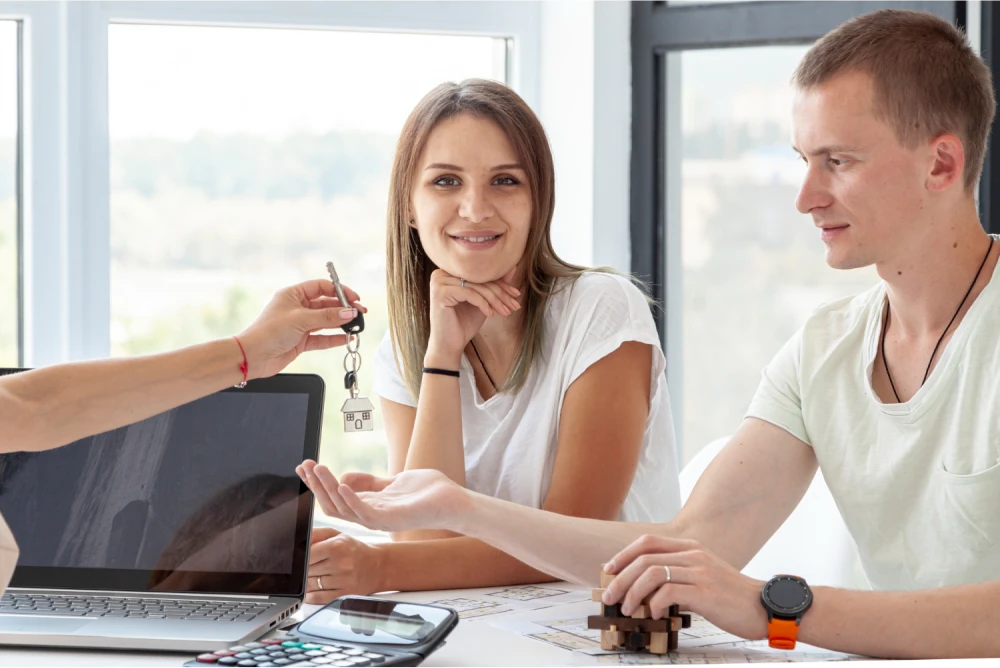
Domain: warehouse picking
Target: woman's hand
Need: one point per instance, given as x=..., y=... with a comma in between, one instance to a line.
x=284, y=329
x=343, y=565
x=416, y=499
x=458, y=312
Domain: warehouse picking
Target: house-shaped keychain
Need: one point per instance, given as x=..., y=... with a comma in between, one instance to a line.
x=358, y=414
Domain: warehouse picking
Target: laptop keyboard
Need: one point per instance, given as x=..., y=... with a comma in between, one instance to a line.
x=69, y=605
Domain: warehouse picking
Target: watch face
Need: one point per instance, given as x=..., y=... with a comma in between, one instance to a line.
x=787, y=595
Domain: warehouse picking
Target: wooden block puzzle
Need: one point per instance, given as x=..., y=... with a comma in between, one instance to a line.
x=636, y=632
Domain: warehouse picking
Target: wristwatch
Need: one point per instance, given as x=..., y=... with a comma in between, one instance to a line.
x=786, y=598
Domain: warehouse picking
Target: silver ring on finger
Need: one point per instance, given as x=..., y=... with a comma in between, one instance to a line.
x=666, y=569
x=319, y=582
x=461, y=282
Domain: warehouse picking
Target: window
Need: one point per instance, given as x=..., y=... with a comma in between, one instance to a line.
x=10, y=310
x=242, y=159
x=752, y=267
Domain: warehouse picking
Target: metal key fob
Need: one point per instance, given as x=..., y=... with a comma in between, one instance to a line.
x=357, y=410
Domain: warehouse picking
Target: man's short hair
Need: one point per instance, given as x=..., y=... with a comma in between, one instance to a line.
x=927, y=79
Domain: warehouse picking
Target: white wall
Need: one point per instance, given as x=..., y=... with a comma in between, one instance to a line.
x=585, y=105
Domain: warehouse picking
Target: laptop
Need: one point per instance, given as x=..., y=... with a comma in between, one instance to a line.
x=188, y=531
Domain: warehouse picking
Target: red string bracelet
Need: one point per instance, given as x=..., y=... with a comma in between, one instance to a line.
x=245, y=367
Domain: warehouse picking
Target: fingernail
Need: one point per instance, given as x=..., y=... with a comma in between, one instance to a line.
x=609, y=567
x=606, y=597
x=349, y=313
x=516, y=291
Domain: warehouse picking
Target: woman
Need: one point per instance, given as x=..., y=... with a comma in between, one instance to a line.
x=514, y=373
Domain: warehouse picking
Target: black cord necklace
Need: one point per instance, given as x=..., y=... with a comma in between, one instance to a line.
x=885, y=325
x=495, y=390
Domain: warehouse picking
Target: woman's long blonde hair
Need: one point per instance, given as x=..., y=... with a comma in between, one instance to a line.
x=408, y=269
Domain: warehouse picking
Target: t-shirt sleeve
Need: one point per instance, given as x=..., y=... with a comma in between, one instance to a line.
x=388, y=382
x=779, y=396
x=605, y=312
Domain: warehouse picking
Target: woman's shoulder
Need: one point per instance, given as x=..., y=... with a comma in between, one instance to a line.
x=598, y=290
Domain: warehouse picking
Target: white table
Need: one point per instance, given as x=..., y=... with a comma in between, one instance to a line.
x=472, y=643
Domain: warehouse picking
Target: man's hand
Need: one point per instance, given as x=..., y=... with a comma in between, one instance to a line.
x=699, y=582
x=343, y=564
x=417, y=499
x=285, y=328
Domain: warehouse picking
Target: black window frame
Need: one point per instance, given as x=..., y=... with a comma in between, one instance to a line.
x=659, y=28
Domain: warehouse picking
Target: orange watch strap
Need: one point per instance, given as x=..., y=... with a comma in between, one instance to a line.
x=781, y=633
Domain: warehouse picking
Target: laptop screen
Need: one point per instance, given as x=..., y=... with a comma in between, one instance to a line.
x=201, y=498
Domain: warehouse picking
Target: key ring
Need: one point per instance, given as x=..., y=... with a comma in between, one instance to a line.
x=355, y=342
x=355, y=358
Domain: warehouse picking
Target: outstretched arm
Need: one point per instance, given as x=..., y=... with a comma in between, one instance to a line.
x=49, y=407
x=742, y=498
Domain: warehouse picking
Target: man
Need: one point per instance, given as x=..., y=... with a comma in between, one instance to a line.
x=894, y=394
x=49, y=407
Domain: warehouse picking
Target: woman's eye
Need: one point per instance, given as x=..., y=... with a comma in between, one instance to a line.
x=505, y=181
x=446, y=181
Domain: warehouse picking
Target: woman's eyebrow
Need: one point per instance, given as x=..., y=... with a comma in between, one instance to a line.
x=456, y=168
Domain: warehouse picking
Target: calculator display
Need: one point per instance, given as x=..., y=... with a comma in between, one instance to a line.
x=373, y=621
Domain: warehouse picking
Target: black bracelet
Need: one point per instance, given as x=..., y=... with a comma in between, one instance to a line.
x=442, y=372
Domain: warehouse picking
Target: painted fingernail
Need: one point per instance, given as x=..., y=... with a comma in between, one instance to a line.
x=348, y=313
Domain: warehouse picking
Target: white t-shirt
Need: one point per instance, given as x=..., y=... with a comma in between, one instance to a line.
x=510, y=440
x=918, y=483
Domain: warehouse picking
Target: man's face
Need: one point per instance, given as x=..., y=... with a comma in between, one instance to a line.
x=863, y=189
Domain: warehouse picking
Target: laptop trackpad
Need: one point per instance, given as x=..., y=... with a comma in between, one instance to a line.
x=49, y=626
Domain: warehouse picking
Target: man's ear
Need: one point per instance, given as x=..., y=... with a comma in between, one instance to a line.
x=948, y=165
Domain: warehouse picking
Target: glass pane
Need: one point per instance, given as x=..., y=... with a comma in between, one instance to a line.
x=751, y=267
x=243, y=159
x=9, y=104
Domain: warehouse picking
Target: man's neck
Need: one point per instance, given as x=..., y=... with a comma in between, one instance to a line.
x=928, y=278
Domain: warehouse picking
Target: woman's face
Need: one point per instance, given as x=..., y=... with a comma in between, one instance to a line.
x=471, y=202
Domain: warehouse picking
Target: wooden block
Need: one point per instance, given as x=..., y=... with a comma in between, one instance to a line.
x=672, y=642
x=607, y=643
x=606, y=579
x=642, y=612
x=658, y=643
x=596, y=594
x=628, y=624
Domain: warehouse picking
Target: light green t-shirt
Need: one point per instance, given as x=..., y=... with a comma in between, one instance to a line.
x=918, y=484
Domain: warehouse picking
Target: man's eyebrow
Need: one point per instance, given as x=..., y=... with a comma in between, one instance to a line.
x=827, y=150
x=456, y=168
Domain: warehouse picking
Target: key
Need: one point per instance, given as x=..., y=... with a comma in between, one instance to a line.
x=357, y=325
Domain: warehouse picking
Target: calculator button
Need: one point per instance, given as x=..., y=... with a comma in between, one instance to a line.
x=247, y=662
x=354, y=652
x=314, y=652
x=207, y=658
x=299, y=657
x=272, y=641
x=322, y=660
x=337, y=657
x=225, y=652
x=330, y=648
x=267, y=665
x=228, y=661
x=238, y=648
x=343, y=664
x=289, y=643
x=310, y=645
x=243, y=655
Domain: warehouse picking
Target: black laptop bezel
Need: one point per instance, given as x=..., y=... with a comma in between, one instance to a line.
x=264, y=584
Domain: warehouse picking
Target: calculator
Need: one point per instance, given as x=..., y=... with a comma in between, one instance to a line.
x=350, y=631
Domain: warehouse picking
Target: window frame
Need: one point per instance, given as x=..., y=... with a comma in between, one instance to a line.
x=66, y=253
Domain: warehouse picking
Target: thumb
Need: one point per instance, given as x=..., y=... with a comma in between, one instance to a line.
x=329, y=317
x=323, y=533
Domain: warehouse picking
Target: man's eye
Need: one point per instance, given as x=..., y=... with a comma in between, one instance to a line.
x=836, y=162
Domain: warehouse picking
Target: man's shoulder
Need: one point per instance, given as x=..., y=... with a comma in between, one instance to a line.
x=834, y=320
